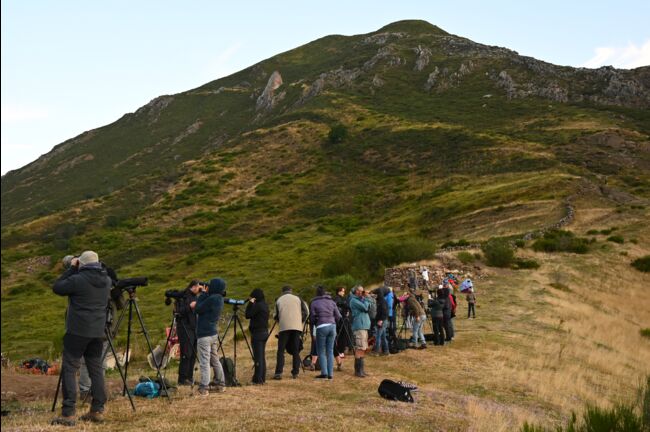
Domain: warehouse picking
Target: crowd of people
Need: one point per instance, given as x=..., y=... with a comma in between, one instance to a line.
x=338, y=325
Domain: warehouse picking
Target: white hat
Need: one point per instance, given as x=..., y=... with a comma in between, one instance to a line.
x=88, y=257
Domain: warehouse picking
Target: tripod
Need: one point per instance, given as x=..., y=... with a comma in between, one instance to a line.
x=133, y=305
x=234, y=321
x=107, y=332
x=345, y=322
x=173, y=329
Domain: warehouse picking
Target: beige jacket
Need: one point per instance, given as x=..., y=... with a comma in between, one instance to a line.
x=291, y=312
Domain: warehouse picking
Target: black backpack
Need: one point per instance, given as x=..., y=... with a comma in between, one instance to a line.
x=389, y=389
x=229, y=372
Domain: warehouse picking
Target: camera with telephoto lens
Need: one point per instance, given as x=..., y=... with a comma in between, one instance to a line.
x=173, y=294
x=234, y=302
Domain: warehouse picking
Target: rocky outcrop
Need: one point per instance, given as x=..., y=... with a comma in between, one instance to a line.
x=387, y=55
x=441, y=80
x=268, y=99
x=422, y=56
x=552, y=91
x=382, y=38
x=154, y=108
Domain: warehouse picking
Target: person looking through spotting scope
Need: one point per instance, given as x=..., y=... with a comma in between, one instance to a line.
x=87, y=286
x=257, y=311
x=208, y=309
x=291, y=313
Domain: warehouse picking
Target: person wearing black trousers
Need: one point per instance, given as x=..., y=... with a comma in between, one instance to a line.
x=257, y=311
x=436, y=306
x=186, y=331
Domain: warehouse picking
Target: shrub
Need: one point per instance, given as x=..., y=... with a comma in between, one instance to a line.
x=465, y=257
x=459, y=243
x=498, y=252
x=345, y=280
x=366, y=261
x=593, y=232
x=521, y=263
x=520, y=243
x=645, y=332
x=337, y=133
x=642, y=264
x=621, y=418
x=616, y=239
x=561, y=241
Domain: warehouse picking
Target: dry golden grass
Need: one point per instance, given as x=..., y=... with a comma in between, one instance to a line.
x=533, y=354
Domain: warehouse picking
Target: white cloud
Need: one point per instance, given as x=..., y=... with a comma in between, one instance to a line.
x=17, y=113
x=628, y=57
x=219, y=67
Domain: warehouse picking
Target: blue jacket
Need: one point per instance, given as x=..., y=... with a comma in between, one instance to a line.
x=208, y=308
x=359, y=309
x=390, y=301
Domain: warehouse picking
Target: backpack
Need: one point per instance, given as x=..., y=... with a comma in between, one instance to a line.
x=148, y=389
x=393, y=346
x=229, y=372
x=372, y=307
x=391, y=390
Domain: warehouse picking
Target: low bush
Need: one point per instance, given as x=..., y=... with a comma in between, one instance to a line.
x=616, y=239
x=337, y=133
x=521, y=263
x=366, y=261
x=498, y=252
x=642, y=264
x=465, y=257
x=561, y=241
x=459, y=243
x=621, y=418
x=520, y=243
x=645, y=332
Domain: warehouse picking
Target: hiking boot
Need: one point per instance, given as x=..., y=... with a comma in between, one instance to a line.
x=321, y=376
x=83, y=394
x=203, y=392
x=384, y=354
x=423, y=346
x=294, y=376
x=311, y=368
x=330, y=377
x=339, y=367
x=277, y=377
x=220, y=389
x=64, y=421
x=185, y=383
x=93, y=416
x=374, y=353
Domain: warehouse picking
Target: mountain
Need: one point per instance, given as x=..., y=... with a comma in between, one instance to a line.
x=327, y=161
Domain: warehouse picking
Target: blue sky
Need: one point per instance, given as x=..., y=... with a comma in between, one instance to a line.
x=70, y=66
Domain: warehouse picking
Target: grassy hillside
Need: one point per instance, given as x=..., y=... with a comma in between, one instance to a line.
x=228, y=180
x=545, y=342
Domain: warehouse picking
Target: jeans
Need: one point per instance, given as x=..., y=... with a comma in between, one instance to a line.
x=288, y=340
x=325, y=340
x=418, y=330
x=84, y=376
x=74, y=348
x=258, y=340
x=209, y=357
x=381, y=341
x=470, y=309
x=187, y=341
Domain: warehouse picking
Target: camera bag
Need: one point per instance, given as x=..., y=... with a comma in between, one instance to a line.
x=389, y=389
